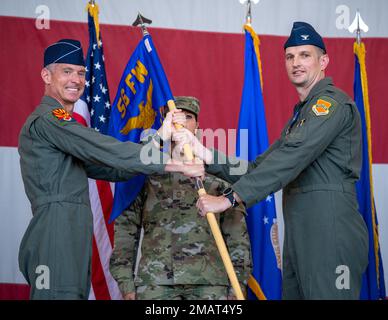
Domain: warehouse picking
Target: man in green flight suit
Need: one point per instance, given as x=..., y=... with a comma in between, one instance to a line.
x=57, y=155
x=179, y=257
x=316, y=161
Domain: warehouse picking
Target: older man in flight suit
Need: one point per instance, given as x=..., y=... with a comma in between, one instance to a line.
x=316, y=161
x=57, y=155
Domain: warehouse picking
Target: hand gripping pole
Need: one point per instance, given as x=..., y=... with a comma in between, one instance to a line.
x=213, y=222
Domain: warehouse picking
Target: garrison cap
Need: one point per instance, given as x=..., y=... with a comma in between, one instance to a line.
x=64, y=51
x=188, y=103
x=302, y=34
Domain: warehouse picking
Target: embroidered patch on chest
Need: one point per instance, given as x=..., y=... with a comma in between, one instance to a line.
x=62, y=115
x=321, y=108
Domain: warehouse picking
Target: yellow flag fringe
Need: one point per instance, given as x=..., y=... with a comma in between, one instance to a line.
x=256, y=43
x=255, y=287
x=94, y=11
x=360, y=52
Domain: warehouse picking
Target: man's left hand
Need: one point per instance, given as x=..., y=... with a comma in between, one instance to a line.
x=208, y=203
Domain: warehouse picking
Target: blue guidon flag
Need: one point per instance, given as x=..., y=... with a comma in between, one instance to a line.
x=266, y=280
x=141, y=96
x=373, y=286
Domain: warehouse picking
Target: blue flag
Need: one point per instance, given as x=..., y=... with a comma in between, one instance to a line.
x=373, y=286
x=265, y=282
x=142, y=92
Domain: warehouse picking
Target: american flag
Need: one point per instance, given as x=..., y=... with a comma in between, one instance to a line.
x=93, y=110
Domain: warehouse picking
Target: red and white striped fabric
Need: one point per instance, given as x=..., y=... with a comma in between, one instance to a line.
x=104, y=287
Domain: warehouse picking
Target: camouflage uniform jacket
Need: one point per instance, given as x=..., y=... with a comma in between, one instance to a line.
x=178, y=246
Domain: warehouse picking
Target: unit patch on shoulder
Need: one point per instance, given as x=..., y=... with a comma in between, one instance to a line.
x=321, y=108
x=62, y=115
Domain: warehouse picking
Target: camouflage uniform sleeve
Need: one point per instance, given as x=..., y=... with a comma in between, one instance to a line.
x=90, y=146
x=126, y=244
x=234, y=230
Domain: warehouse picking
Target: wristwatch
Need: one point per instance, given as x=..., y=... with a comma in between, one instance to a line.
x=228, y=193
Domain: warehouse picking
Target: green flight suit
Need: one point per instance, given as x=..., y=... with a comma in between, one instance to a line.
x=57, y=155
x=316, y=161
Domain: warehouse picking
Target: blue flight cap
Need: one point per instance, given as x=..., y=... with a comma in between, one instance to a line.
x=302, y=34
x=64, y=51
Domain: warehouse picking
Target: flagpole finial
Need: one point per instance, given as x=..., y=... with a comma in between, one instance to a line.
x=358, y=25
x=248, y=17
x=140, y=20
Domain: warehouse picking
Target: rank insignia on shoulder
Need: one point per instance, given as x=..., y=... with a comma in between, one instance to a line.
x=62, y=115
x=321, y=108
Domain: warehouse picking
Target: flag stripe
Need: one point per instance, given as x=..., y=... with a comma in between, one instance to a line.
x=14, y=291
x=79, y=119
x=103, y=244
x=91, y=294
x=81, y=113
x=106, y=198
x=100, y=288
